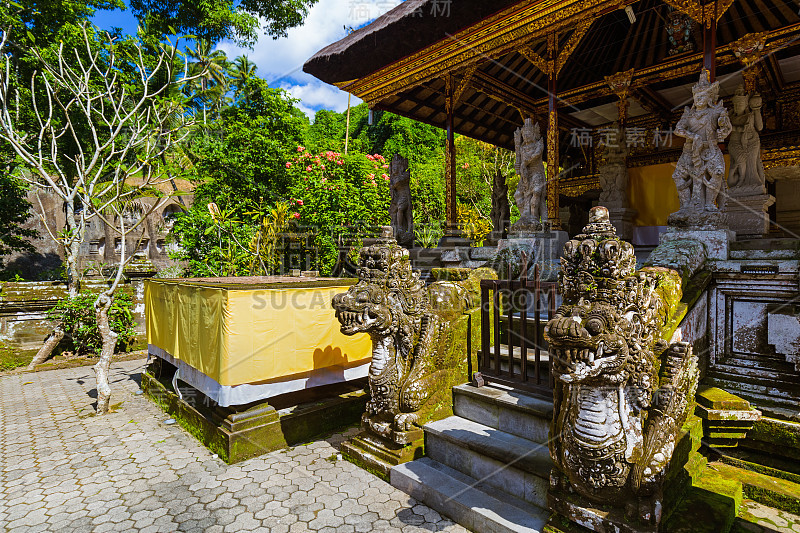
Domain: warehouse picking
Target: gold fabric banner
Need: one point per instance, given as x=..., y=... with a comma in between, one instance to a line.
x=250, y=335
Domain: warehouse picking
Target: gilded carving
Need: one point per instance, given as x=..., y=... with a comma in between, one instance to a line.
x=621, y=394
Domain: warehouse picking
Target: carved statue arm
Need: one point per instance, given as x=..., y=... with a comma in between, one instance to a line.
x=538, y=148
x=758, y=121
x=724, y=125
x=683, y=123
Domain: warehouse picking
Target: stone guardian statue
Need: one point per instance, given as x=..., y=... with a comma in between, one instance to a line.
x=747, y=202
x=699, y=174
x=747, y=170
x=400, y=208
x=531, y=195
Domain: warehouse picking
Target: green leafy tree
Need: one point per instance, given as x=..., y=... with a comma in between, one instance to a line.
x=215, y=20
x=14, y=212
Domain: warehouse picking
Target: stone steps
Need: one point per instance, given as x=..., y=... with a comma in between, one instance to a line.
x=488, y=465
x=763, y=488
x=776, y=363
x=458, y=497
x=504, y=462
x=760, y=375
x=760, y=393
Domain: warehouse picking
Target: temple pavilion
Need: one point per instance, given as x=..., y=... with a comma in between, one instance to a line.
x=577, y=66
x=586, y=71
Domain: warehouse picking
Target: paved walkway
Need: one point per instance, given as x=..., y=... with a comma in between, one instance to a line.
x=62, y=469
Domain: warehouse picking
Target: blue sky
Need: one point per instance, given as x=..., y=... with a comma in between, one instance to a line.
x=280, y=61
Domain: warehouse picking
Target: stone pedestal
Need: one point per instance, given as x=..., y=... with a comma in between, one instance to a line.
x=622, y=220
x=747, y=214
x=716, y=241
x=378, y=455
x=243, y=432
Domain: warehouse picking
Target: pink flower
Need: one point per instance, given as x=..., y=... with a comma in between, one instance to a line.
x=323, y=180
x=299, y=202
x=384, y=176
x=466, y=165
x=385, y=166
x=308, y=169
x=296, y=215
x=340, y=162
x=371, y=176
x=300, y=148
x=288, y=165
x=371, y=157
x=322, y=167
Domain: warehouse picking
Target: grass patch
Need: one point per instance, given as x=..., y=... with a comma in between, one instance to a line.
x=11, y=358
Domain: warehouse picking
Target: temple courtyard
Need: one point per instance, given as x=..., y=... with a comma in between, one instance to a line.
x=62, y=469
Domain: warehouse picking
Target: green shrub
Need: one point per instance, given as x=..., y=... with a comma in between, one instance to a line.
x=80, y=322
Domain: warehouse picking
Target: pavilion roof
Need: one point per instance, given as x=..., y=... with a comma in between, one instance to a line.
x=399, y=62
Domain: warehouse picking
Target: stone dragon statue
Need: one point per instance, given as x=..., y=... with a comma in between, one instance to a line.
x=411, y=330
x=621, y=394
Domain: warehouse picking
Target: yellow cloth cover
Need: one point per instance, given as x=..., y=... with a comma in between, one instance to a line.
x=250, y=335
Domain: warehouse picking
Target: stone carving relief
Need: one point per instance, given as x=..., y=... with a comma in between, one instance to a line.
x=501, y=211
x=621, y=394
x=400, y=208
x=746, y=175
x=531, y=195
x=699, y=174
x=613, y=172
x=411, y=330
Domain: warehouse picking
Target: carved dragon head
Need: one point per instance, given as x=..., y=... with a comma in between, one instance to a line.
x=388, y=298
x=604, y=330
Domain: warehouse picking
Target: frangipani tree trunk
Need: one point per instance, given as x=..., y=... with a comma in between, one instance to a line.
x=117, y=112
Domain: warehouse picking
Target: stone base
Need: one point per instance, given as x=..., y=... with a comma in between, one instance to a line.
x=239, y=433
x=697, y=219
x=717, y=242
x=378, y=455
x=622, y=219
x=747, y=215
x=578, y=511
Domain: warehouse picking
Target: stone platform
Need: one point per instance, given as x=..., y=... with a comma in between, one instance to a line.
x=241, y=432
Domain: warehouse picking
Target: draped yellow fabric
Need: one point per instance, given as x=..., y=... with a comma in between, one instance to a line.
x=250, y=335
x=653, y=194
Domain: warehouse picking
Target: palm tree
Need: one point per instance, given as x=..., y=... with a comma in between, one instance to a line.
x=242, y=71
x=214, y=63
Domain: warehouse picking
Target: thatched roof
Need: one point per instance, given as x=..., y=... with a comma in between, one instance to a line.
x=409, y=27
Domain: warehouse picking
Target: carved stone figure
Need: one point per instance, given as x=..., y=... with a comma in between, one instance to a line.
x=746, y=174
x=747, y=200
x=411, y=330
x=701, y=168
x=621, y=394
x=400, y=208
x=501, y=211
x=531, y=195
x=613, y=172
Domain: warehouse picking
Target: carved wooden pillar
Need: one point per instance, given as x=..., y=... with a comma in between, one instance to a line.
x=620, y=84
x=450, y=156
x=553, y=188
x=710, y=39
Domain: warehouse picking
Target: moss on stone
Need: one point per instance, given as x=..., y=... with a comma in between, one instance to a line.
x=774, y=492
x=778, y=432
x=715, y=398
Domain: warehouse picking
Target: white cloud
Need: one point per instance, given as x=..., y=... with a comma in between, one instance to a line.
x=280, y=61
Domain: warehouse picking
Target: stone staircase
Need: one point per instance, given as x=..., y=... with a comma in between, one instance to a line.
x=488, y=466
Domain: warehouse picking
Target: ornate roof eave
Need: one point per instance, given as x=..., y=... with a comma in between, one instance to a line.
x=490, y=38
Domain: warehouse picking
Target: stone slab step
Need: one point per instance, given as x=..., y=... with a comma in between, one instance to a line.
x=504, y=462
x=506, y=409
x=774, y=363
x=457, y=497
x=774, y=492
x=756, y=518
x=777, y=393
x=760, y=375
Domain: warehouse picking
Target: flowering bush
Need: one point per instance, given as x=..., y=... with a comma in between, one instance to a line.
x=335, y=194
